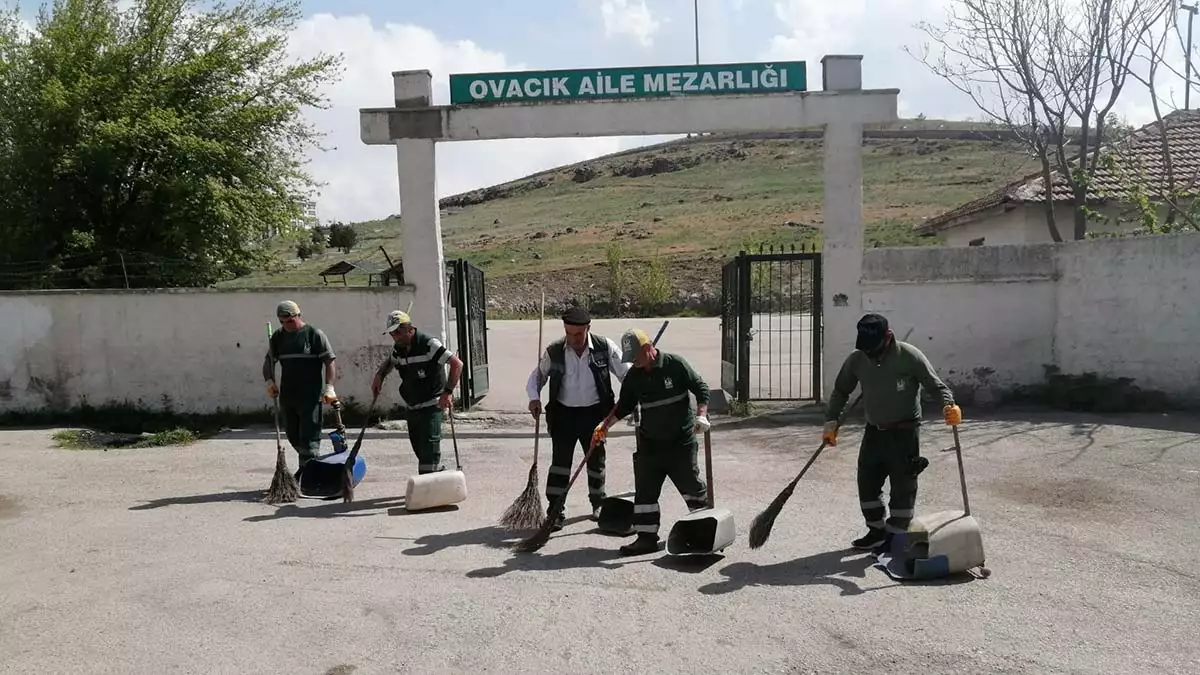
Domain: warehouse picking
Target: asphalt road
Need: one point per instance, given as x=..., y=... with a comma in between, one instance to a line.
x=165, y=560
x=780, y=355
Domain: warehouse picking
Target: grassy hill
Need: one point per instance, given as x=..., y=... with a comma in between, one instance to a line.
x=674, y=210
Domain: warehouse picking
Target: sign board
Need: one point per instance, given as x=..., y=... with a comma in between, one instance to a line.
x=625, y=83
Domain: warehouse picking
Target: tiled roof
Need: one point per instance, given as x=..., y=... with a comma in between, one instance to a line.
x=1141, y=153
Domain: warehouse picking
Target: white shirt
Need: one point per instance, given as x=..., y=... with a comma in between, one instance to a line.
x=578, y=385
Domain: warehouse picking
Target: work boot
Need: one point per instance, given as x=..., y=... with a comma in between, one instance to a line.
x=596, y=512
x=645, y=543
x=874, y=537
x=560, y=520
x=884, y=547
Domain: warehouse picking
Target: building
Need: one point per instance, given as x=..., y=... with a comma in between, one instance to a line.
x=308, y=215
x=1016, y=213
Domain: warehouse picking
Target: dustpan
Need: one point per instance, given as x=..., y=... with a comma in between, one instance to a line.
x=705, y=531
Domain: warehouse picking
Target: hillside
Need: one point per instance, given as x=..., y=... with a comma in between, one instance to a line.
x=689, y=204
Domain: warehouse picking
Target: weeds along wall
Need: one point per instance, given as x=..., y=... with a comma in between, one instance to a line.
x=188, y=350
x=991, y=318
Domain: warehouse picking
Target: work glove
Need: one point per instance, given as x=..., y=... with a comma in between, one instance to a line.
x=953, y=415
x=600, y=434
x=272, y=390
x=330, y=395
x=829, y=433
x=702, y=424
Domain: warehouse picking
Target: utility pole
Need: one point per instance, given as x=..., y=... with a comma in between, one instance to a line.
x=1187, y=90
x=696, y=27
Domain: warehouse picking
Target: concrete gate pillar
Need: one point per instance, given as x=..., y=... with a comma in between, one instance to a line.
x=420, y=217
x=842, y=235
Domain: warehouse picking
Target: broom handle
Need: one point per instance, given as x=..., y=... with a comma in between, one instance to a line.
x=278, y=440
x=537, y=424
x=361, y=433
x=823, y=442
x=453, y=435
x=708, y=467
x=962, y=476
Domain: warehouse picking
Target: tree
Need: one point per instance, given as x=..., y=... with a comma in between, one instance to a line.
x=342, y=237
x=167, y=133
x=1048, y=70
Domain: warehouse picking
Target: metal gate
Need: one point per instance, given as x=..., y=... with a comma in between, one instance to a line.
x=771, y=325
x=468, y=297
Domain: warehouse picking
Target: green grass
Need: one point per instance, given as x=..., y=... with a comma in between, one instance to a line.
x=86, y=439
x=740, y=193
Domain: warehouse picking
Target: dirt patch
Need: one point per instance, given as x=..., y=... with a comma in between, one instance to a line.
x=1072, y=494
x=9, y=507
x=344, y=669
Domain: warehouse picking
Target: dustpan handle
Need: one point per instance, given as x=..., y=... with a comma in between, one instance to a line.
x=708, y=467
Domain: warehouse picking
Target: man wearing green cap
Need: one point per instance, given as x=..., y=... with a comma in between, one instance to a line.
x=307, y=372
x=891, y=374
x=420, y=359
x=667, y=447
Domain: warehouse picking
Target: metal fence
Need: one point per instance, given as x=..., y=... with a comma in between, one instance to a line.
x=771, y=325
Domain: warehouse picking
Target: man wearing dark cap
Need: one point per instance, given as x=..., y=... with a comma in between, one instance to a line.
x=581, y=395
x=891, y=374
x=307, y=371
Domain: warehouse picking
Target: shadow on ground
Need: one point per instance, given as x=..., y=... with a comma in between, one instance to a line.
x=832, y=568
x=575, y=558
x=245, y=496
x=331, y=509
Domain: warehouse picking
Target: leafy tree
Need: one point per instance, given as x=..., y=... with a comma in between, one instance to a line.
x=342, y=237
x=165, y=133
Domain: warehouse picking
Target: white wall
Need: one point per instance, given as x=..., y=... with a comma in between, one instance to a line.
x=1026, y=224
x=199, y=350
x=991, y=317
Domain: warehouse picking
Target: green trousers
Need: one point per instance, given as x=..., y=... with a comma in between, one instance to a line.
x=302, y=424
x=654, y=462
x=425, y=435
x=888, y=454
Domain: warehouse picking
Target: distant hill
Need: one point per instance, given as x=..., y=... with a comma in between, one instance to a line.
x=687, y=204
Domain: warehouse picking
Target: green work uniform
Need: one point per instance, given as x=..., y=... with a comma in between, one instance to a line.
x=422, y=370
x=890, y=450
x=302, y=356
x=666, y=442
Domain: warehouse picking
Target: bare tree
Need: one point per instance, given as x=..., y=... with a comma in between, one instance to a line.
x=1049, y=70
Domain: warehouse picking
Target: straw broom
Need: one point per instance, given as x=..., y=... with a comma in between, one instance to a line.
x=760, y=529
x=346, y=477
x=283, y=486
x=538, y=539
x=526, y=511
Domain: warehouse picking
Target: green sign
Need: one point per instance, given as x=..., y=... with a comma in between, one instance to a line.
x=618, y=83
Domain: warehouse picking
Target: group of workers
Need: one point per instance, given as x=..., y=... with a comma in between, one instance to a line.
x=583, y=405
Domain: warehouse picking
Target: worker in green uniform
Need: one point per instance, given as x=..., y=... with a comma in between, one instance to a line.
x=891, y=373
x=420, y=360
x=307, y=373
x=666, y=447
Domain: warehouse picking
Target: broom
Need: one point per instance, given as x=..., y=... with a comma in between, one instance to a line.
x=347, y=478
x=526, y=510
x=760, y=529
x=283, y=485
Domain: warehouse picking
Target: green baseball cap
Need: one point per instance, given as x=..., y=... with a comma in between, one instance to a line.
x=631, y=343
x=287, y=308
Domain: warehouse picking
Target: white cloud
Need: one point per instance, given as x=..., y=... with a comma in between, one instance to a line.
x=361, y=180
x=631, y=18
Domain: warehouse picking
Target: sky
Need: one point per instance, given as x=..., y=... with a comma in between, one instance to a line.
x=377, y=37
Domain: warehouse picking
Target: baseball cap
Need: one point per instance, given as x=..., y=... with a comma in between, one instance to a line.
x=631, y=343
x=872, y=328
x=395, y=320
x=287, y=308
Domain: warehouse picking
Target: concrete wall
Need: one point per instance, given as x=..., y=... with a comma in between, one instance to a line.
x=1026, y=224
x=990, y=317
x=197, y=350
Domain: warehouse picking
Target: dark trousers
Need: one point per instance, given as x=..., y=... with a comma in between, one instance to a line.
x=569, y=427
x=655, y=461
x=302, y=424
x=425, y=435
x=888, y=454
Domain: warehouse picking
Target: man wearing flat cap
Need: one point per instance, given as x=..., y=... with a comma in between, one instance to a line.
x=891, y=374
x=427, y=391
x=307, y=374
x=578, y=367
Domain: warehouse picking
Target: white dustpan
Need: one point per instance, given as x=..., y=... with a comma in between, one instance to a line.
x=441, y=488
x=705, y=531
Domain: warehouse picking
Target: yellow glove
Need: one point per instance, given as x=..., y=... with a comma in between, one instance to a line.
x=272, y=390
x=829, y=435
x=953, y=415
x=599, y=434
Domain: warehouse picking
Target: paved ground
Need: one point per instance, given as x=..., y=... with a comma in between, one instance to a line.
x=778, y=340
x=165, y=560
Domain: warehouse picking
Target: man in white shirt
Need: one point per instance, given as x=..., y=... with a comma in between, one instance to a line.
x=581, y=396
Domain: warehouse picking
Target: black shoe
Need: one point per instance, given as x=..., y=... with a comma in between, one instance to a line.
x=884, y=547
x=645, y=543
x=596, y=512
x=874, y=537
x=560, y=521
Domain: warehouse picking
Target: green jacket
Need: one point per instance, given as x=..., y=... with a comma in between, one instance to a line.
x=662, y=392
x=890, y=386
x=422, y=370
x=302, y=357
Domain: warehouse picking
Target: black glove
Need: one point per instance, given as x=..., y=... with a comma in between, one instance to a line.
x=917, y=464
